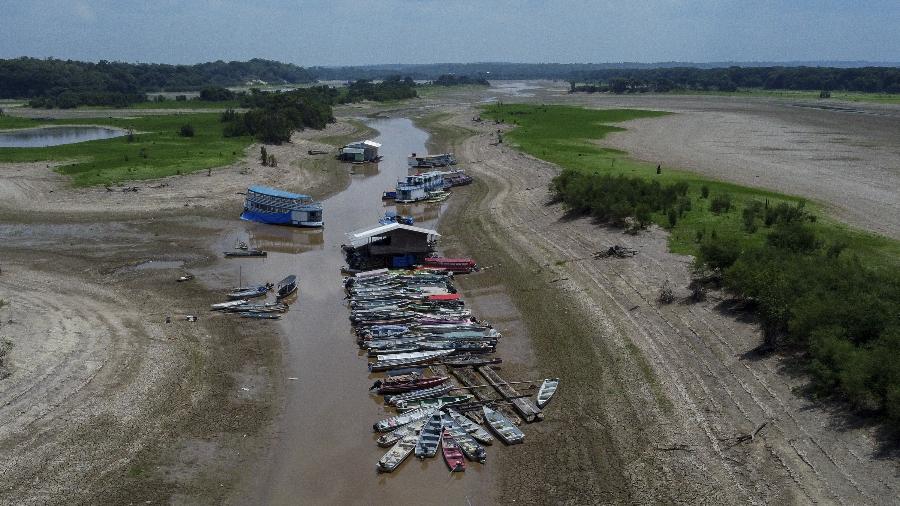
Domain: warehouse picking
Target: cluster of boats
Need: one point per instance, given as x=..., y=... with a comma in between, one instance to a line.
x=240, y=300
x=411, y=322
x=432, y=186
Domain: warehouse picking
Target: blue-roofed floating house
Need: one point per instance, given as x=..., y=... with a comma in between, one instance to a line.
x=270, y=205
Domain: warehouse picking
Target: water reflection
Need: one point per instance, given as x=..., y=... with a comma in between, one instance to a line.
x=55, y=136
x=364, y=170
x=283, y=239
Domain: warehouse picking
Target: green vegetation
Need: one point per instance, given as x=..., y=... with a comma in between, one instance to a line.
x=847, y=96
x=274, y=116
x=454, y=80
x=828, y=291
x=157, y=149
x=392, y=88
x=186, y=104
x=9, y=122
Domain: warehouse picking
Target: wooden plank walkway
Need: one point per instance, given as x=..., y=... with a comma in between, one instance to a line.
x=527, y=410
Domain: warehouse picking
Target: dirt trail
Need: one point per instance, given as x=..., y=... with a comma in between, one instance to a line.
x=676, y=434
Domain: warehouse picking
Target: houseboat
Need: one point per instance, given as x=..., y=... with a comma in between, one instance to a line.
x=279, y=207
x=419, y=187
x=429, y=161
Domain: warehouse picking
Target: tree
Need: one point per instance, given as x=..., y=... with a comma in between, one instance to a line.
x=187, y=130
x=263, y=156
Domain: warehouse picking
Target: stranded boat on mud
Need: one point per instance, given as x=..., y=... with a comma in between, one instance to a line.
x=279, y=207
x=429, y=161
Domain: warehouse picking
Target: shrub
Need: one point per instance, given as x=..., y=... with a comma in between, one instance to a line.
x=673, y=217
x=720, y=203
x=187, y=130
x=704, y=191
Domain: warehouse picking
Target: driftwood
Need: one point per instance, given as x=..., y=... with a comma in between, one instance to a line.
x=744, y=438
x=674, y=447
x=616, y=251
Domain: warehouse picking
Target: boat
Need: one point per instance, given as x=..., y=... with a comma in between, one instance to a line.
x=417, y=187
x=470, y=361
x=409, y=386
x=286, y=287
x=279, y=207
x=388, y=195
x=472, y=450
x=453, y=456
x=398, y=453
x=389, y=424
x=434, y=402
x=230, y=304
x=430, y=161
x=455, y=265
x=410, y=429
x=546, y=391
x=392, y=217
x=475, y=430
x=436, y=391
x=385, y=362
x=259, y=315
x=430, y=437
x=186, y=277
x=505, y=430
x=249, y=293
x=437, y=196
x=247, y=253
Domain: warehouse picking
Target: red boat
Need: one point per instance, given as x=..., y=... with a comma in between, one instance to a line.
x=453, y=456
x=442, y=297
x=455, y=265
x=416, y=384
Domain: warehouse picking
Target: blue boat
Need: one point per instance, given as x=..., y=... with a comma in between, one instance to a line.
x=393, y=217
x=279, y=207
x=418, y=187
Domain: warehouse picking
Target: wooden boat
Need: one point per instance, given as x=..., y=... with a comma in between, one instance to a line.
x=409, y=386
x=415, y=395
x=434, y=402
x=259, y=316
x=225, y=305
x=430, y=437
x=286, y=287
x=455, y=265
x=472, y=450
x=389, y=424
x=469, y=360
x=437, y=196
x=475, y=430
x=249, y=293
x=545, y=393
x=408, y=348
x=453, y=456
x=258, y=308
x=247, y=253
x=410, y=429
x=462, y=346
x=385, y=362
x=505, y=430
x=398, y=453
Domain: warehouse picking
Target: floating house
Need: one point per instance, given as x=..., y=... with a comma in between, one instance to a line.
x=361, y=151
x=419, y=186
x=429, y=161
x=279, y=207
x=391, y=245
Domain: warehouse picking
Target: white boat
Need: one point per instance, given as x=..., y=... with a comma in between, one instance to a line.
x=385, y=362
x=505, y=430
x=230, y=303
x=477, y=431
x=389, y=424
x=430, y=437
x=410, y=429
x=415, y=395
x=545, y=393
x=397, y=454
x=470, y=448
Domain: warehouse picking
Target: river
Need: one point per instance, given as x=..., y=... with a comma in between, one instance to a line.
x=324, y=450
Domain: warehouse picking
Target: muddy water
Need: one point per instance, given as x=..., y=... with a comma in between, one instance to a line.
x=324, y=449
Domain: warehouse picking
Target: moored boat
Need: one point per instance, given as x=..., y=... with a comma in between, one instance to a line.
x=453, y=456
x=545, y=393
x=410, y=429
x=505, y=429
x=430, y=437
x=412, y=385
x=398, y=453
x=434, y=402
x=270, y=205
x=286, y=286
x=436, y=391
x=246, y=253
x=389, y=424
x=473, y=451
x=477, y=431
x=385, y=362
x=249, y=293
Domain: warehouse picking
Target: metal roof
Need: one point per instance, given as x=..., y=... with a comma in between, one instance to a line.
x=353, y=151
x=274, y=192
x=367, y=143
x=359, y=236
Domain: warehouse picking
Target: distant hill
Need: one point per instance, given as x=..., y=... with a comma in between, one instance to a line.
x=33, y=77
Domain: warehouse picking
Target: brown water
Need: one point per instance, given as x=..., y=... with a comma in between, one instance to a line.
x=324, y=450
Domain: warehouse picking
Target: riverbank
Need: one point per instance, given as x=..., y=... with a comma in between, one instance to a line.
x=661, y=393
x=107, y=402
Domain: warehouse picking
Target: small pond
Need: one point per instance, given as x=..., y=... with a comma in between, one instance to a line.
x=55, y=136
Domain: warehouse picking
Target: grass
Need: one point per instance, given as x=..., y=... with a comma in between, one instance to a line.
x=188, y=104
x=443, y=136
x=157, y=150
x=8, y=122
x=567, y=136
x=849, y=96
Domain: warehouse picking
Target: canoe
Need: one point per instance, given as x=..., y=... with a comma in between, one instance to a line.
x=475, y=430
x=434, y=402
x=472, y=450
x=256, y=291
x=398, y=387
x=389, y=424
x=398, y=453
x=226, y=305
x=286, y=287
x=453, y=456
x=505, y=430
x=407, y=348
x=545, y=393
x=430, y=437
x=259, y=316
x=410, y=429
x=247, y=253
x=415, y=395
x=385, y=362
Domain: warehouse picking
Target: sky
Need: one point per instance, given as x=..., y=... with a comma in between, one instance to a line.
x=355, y=32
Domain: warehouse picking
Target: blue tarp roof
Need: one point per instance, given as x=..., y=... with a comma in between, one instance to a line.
x=273, y=192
